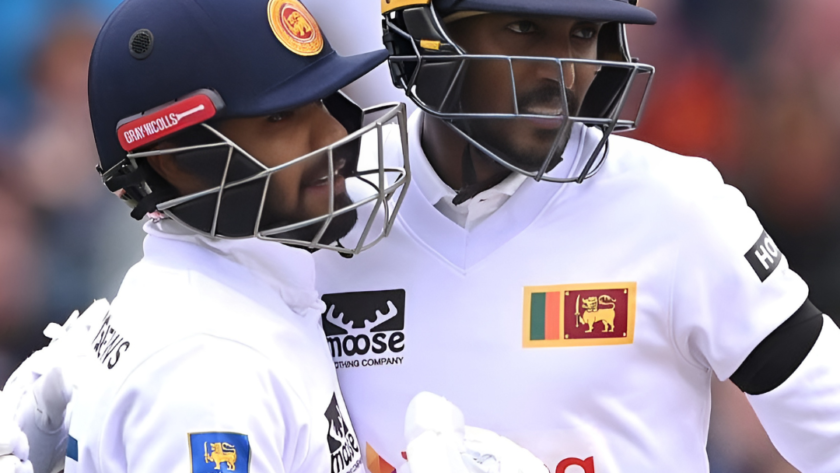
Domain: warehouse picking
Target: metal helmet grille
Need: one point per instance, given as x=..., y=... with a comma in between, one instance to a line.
x=251, y=195
x=486, y=99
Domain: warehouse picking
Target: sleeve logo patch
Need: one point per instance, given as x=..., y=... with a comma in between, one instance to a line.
x=213, y=452
x=764, y=256
x=576, y=315
x=345, y=454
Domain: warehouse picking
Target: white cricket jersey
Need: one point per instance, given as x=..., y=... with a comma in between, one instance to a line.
x=212, y=359
x=584, y=322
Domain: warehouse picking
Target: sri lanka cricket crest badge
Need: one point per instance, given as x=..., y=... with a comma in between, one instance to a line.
x=579, y=315
x=295, y=27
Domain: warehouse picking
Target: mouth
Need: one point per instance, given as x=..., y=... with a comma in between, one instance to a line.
x=319, y=184
x=547, y=110
x=549, y=114
x=320, y=177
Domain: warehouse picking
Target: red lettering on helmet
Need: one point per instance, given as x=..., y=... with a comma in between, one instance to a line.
x=152, y=126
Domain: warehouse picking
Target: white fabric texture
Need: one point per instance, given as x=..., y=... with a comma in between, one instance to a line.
x=14, y=448
x=209, y=341
x=665, y=223
x=802, y=416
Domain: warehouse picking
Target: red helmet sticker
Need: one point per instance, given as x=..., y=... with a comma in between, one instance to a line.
x=171, y=119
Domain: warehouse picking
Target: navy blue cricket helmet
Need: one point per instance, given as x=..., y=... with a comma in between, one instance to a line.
x=160, y=67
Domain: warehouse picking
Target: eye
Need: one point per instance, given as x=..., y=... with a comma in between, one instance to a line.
x=585, y=32
x=522, y=27
x=280, y=116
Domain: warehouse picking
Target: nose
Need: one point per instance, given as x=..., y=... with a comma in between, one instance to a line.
x=550, y=69
x=325, y=128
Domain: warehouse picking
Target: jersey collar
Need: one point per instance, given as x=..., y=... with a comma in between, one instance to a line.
x=239, y=264
x=464, y=248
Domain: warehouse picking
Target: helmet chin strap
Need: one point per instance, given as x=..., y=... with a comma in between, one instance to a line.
x=470, y=185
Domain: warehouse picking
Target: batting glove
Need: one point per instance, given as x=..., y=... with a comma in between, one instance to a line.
x=14, y=449
x=439, y=442
x=42, y=387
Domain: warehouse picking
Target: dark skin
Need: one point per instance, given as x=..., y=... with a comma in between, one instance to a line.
x=488, y=88
x=296, y=193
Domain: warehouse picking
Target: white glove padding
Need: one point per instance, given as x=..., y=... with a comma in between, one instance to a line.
x=68, y=342
x=41, y=415
x=42, y=387
x=14, y=449
x=439, y=442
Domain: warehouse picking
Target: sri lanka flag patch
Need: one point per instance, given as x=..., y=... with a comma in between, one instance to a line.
x=575, y=315
x=214, y=452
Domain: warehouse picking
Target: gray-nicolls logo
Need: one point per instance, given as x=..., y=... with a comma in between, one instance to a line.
x=764, y=256
x=365, y=323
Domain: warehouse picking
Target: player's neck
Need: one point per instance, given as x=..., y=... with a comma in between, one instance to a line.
x=445, y=150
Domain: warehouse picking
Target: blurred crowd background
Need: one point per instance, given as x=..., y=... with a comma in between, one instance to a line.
x=752, y=85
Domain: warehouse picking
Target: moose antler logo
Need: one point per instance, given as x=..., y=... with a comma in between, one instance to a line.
x=349, y=326
x=357, y=323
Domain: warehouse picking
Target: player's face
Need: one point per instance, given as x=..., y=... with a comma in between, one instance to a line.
x=488, y=85
x=301, y=191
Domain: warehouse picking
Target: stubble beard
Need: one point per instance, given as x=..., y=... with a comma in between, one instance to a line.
x=339, y=227
x=545, y=144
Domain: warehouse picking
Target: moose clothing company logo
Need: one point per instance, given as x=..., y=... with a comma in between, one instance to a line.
x=365, y=328
x=214, y=452
x=576, y=315
x=345, y=453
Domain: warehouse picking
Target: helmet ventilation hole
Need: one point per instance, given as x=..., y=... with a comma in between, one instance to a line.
x=141, y=44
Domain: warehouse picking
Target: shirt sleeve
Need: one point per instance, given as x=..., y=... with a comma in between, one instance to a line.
x=732, y=284
x=802, y=416
x=205, y=405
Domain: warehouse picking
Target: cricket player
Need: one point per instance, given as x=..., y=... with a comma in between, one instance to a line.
x=227, y=127
x=571, y=289
x=568, y=288
x=225, y=121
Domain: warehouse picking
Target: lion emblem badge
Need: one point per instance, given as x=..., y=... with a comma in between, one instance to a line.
x=222, y=453
x=295, y=27
x=219, y=452
x=575, y=315
x=597, y=309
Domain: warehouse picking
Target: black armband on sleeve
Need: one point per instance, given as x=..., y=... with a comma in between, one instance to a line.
x=780, y=354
